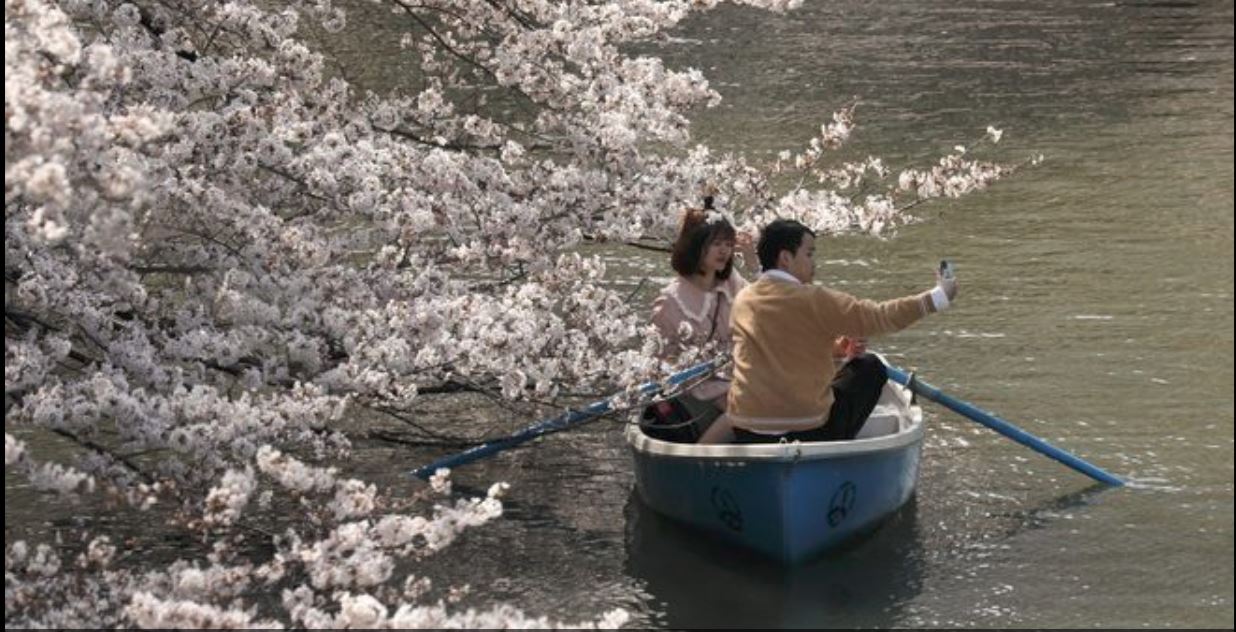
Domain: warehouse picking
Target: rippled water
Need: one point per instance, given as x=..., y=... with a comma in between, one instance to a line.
x=1096, y=312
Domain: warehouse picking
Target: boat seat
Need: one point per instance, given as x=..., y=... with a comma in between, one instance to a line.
x=883, y=421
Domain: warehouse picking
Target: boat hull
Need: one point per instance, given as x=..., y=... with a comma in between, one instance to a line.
x=790, y=501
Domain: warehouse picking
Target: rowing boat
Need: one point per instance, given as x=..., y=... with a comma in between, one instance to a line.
x=792, y=500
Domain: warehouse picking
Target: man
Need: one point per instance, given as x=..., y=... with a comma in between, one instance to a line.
x=784, y=333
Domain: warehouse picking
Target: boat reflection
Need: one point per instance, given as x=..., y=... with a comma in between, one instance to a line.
x=698, y=581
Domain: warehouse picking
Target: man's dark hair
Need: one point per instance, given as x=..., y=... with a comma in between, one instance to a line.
x=781, y=234
x=695, y=235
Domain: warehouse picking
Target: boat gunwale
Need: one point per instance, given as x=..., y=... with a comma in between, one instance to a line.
x=785, y=451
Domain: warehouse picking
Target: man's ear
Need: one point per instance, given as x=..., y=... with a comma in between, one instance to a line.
x=784, y=258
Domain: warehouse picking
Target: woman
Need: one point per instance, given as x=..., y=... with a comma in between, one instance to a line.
x=694, y=309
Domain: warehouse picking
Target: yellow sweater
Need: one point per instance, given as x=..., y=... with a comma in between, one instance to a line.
x=783, y=341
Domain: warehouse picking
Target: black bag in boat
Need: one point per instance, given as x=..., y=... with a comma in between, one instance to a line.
x=669, y=420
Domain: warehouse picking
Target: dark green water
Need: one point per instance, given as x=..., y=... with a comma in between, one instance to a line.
x=1096, y=312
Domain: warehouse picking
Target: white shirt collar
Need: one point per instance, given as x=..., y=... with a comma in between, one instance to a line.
x=780, y=275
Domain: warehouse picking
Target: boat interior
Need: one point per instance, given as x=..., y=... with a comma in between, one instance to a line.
x=889, y=417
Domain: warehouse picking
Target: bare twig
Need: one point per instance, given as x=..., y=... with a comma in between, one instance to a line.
x=444, y=443
x=105, y=451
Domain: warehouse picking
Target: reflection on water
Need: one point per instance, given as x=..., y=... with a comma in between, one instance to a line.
x=1044, y=513
x=699, y=581
x=695, y=580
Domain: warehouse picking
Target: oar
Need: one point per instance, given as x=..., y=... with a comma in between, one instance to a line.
x=999, y=425
x=566, y=420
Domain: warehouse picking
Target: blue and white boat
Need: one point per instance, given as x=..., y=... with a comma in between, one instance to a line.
x=793, y=500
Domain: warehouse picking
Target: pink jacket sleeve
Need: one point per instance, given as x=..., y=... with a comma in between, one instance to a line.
x=667, y=318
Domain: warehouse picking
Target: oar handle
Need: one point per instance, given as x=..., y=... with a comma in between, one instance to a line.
x=565, y=420
x=1001, y=426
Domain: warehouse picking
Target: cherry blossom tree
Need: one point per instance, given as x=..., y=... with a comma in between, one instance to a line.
x=218, y=252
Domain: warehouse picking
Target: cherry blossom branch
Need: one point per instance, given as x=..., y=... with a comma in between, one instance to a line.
x=106, y=452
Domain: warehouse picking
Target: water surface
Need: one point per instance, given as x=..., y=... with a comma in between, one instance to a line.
x=1096, y=312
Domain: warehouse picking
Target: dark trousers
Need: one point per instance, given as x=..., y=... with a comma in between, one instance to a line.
x=856, y=389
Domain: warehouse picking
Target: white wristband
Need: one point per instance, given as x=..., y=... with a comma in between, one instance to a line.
x=939, y=299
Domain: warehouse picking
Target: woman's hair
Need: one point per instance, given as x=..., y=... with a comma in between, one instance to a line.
x=695, y=234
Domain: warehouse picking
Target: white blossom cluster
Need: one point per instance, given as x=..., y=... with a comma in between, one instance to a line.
x=335, y=579
x=218, y=252
x=14, y=450
x=366, y=612
x=352, y=498
x=226, y=501
x=45, y=476
x=863, y=195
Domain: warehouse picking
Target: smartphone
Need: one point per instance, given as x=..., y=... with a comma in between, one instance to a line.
x=946, y=269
